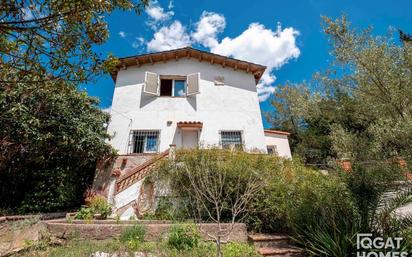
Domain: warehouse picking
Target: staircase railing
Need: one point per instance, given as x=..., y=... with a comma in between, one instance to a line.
x=137, y=173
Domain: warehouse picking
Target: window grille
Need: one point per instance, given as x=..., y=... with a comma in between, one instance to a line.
x=144, y=141
x=272, y=149
x=231, y=139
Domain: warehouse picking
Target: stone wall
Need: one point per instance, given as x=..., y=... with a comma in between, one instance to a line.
x=154, y=229
x=17, y=235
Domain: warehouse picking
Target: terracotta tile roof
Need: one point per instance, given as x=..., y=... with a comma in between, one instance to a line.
x=189, y=52
x=276, y=132
x=192, y=124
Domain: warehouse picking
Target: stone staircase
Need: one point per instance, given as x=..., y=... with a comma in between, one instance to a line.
x=274, y=245
x=137, y=173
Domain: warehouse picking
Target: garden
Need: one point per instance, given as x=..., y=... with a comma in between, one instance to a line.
x=321, y=212
x=53, y=134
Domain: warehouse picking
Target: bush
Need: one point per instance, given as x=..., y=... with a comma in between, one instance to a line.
x=168, y=210
x=233, y=249
x=322, y=212
x=183, y=237
x=133, y=236
x=235, y=167
x=98, y=205
x=85, y=213
x=54, y=139
x=327, y=218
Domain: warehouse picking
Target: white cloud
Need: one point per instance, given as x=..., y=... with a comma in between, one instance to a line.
x=258, y=44
x=122, y=34
x=207, y=28
x=138, y=42
x=169, y=37
x=261, y=45
x=171, y=5
x=157, y=13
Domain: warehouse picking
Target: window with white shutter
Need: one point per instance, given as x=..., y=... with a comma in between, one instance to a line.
x=193, y=83
x=151, y=83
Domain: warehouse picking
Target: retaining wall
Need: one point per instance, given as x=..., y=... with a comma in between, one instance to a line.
x=104, y=229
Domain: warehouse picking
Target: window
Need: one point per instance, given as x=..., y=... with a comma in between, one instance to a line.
x=179, y=88
x=272, y=149
x=231, y=139
x=144, y=141
x=172, y=87
x=166, y=86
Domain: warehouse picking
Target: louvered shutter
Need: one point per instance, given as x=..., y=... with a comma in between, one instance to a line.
x=193, y=83
x=151, y=83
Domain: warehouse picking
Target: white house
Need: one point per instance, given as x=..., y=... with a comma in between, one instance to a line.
x=183, y=98
x=189, y=98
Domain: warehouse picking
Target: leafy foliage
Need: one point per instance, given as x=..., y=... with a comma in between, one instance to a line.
x=183, y=237
x=167, y=209
x=98, y=205
x=85, y=213
x=360, y=108
x=51, y=137
x=52, y=134
x=133, y=236
x=53, y=40
x=333, y=232
x=233, y=249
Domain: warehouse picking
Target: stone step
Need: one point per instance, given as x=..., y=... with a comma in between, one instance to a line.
x=280, y=252
x=269, y=240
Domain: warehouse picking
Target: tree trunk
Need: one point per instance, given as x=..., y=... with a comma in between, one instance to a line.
x=218, y=247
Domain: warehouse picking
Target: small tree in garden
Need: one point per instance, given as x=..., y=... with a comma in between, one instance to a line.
x=219, y=186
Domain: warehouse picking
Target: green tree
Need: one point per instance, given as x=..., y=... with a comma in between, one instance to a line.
x=51, y=133
x=360, y=108
x=54, y=39
x=377, y=76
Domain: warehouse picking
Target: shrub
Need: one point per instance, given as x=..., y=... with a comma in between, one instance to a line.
x=327, y=218
x=183, y=237
x=98, y=205
x=233, y=249
x=85, y=213
x=54, y=138
x=133, y=236
x=168, y=210
x=322, y=212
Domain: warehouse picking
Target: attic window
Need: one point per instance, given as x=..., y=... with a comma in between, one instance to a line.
x=172, y=87
x=166, y=87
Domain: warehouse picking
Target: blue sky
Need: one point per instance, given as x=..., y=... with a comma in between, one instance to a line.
x=246, y=30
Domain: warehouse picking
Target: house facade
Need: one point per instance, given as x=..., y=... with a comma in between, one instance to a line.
x=189, y=98
x=178, y=99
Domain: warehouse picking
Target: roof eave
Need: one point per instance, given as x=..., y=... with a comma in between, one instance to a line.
x=188, y=52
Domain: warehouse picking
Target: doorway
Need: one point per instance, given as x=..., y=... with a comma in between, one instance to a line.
x=190, y=138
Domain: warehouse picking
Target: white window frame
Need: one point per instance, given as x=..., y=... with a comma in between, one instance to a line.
x=179, y=78
x=173, y=87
